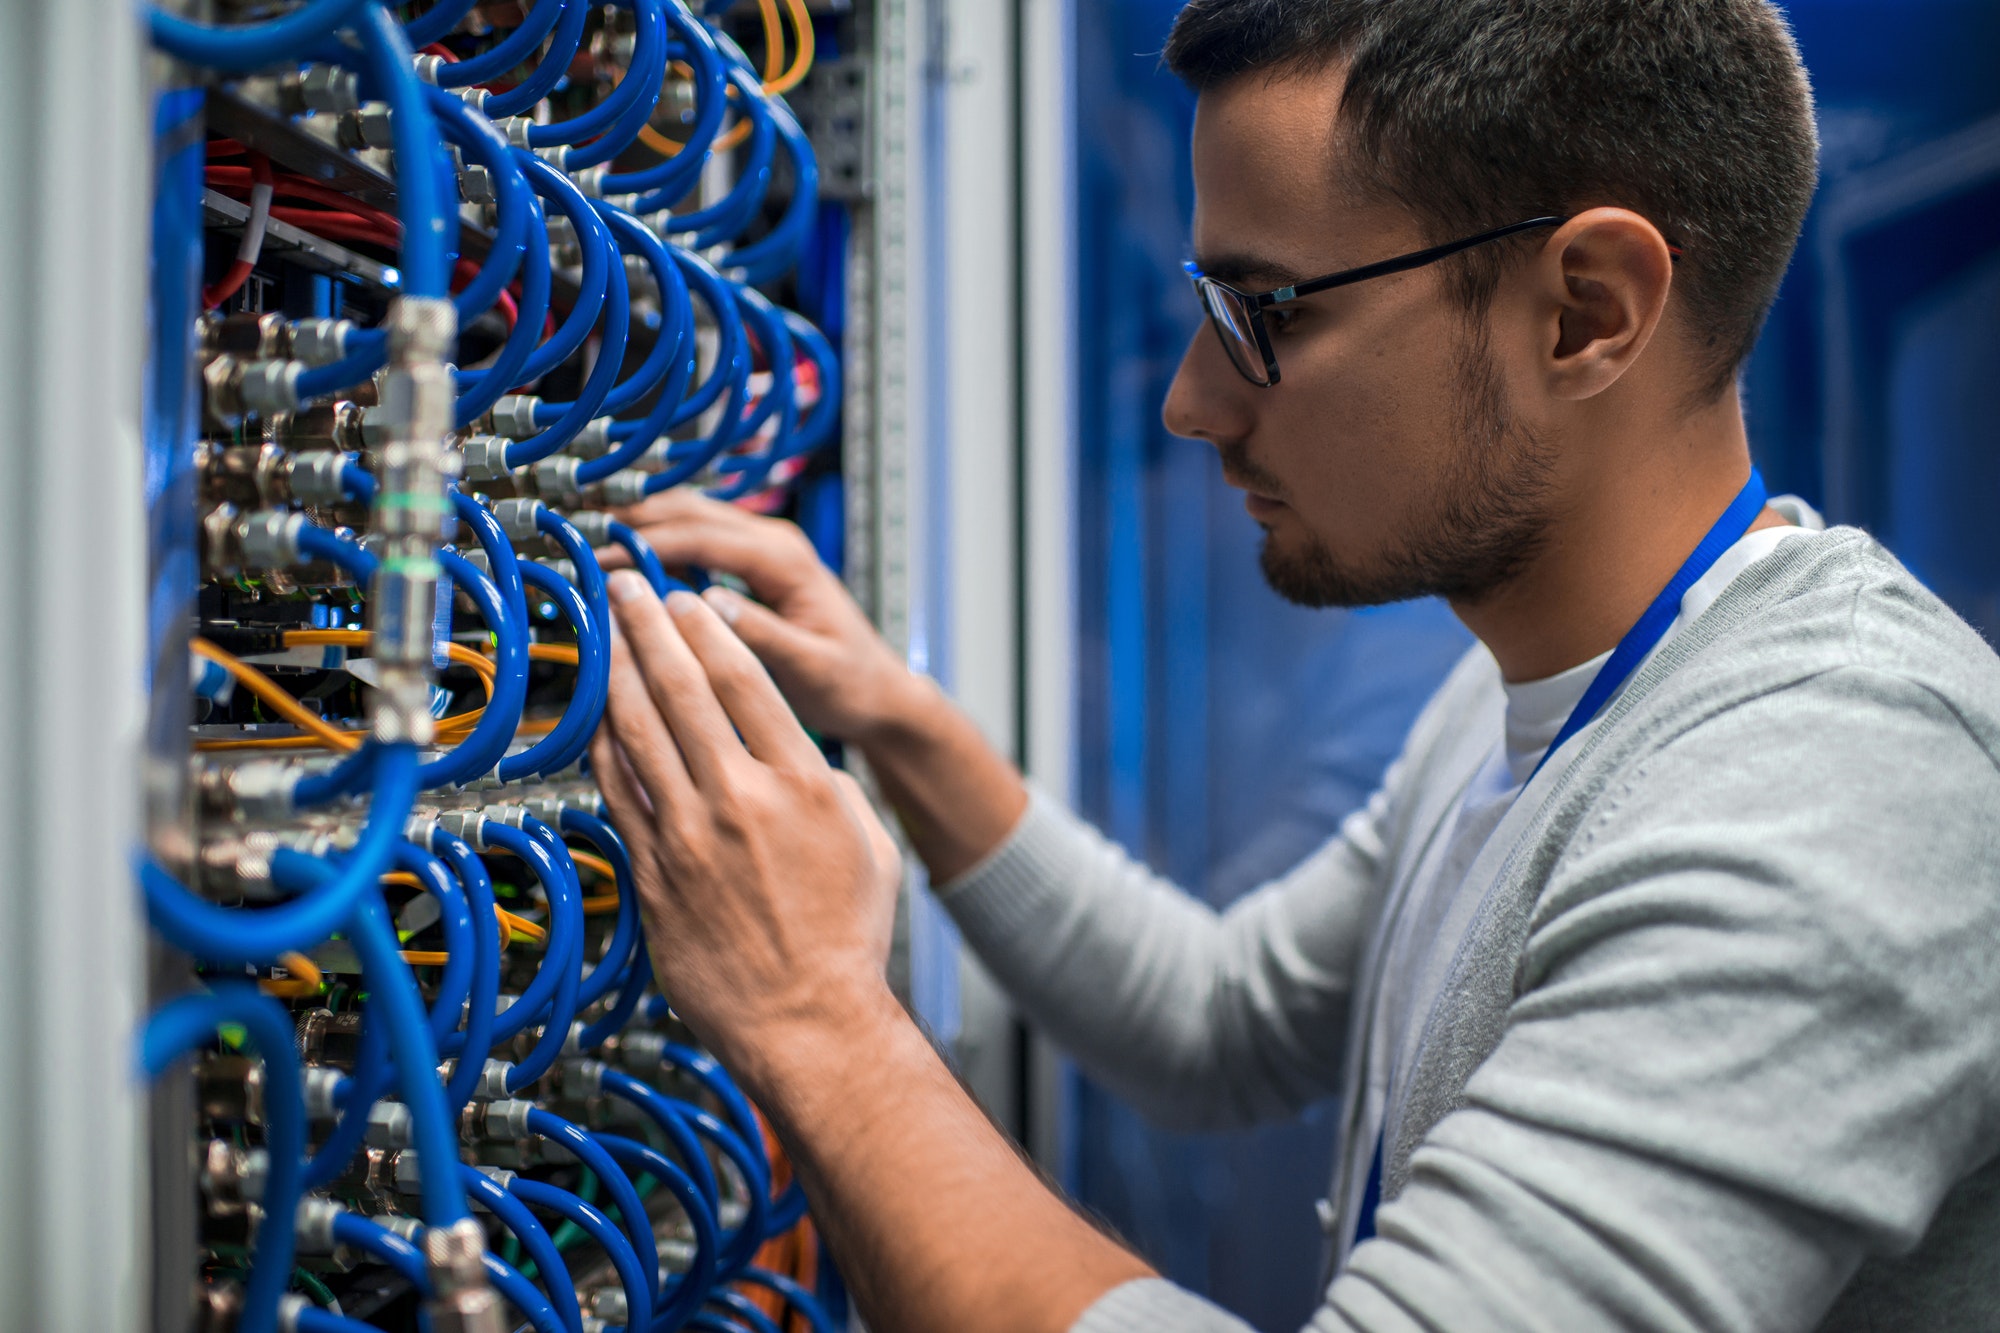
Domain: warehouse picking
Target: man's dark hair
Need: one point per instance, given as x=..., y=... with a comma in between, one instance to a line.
x=1696, y=114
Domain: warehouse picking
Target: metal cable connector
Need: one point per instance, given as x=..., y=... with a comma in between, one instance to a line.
x=461, y=1300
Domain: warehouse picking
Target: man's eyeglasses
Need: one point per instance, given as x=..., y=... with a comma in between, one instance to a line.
x=1238, y=316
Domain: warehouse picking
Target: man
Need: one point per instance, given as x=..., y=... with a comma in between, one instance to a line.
x=1658, y=980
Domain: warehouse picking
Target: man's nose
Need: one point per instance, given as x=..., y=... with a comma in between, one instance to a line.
x=1205, y=402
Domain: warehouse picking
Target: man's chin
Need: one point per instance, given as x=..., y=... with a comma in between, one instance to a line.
x=1308, y=574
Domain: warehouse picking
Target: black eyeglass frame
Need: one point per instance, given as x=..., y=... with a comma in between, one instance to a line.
x=1254, y=304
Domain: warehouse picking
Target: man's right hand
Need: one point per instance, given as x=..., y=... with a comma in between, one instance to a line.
x=836, y=671
x=957, y=796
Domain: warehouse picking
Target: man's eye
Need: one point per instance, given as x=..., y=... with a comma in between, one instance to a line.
x=1282, y=319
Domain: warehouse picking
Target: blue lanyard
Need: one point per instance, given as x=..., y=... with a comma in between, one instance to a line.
x=1640, y=640
x=1643, y=637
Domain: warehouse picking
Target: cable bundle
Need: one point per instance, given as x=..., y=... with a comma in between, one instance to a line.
x=412, y=502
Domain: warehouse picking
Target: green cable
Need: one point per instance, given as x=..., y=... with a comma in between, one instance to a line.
x=318, y=1289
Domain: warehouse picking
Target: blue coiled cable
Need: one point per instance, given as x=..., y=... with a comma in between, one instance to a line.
x=478, y=390
x=666, y=1113
x=594, y=239
x=454, y=984
x=436, y=22
x=484, y=145
x=638, y=90
x=688, y=1290
x=511, y=50
x=742, y=1309
x=481, y=751
x=644, y=558
x=638, y=1288
x=664, y=184
x=235, y=936
x=675, y=332
x=470, y=1045
x=552, y=69
x=566, y=743
x=555, y=983
x=631, y=1211
x=625, y=932
x=794, y=1294
x=763, y=260
x=190, y=1021
x=558, y=423
x=513, y=1213
x=648, y=70
x=253, y=46
x=398, y=1004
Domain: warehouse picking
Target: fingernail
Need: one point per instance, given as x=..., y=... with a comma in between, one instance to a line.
x=624, y=585
x=680, y=601
x=726, y=603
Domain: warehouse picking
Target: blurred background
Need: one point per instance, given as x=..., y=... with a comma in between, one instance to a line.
x=1221, y=734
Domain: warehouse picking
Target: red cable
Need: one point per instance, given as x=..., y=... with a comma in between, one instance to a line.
x=259, y=173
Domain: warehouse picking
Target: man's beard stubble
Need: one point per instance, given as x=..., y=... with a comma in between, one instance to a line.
x=1486, y=520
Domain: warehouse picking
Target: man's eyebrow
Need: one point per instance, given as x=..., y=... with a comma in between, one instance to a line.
x=1248, y=272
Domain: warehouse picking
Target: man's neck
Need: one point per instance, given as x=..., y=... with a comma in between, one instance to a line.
x=1629, y=521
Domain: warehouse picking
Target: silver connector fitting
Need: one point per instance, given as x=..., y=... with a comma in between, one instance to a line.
x=593, y=525
x=238, y=388
x=518, y=518
x=269, y=538
x=555, y=479
x=418, y=399
x=320, y=342
x=485, y=457
x=513, y=415
x=624, y=488
x=317, y=477
x=314, y=1225
x=593, y=441
x=256, y=789
x=461, y=1299
x=390, y=1125
x=367, y=127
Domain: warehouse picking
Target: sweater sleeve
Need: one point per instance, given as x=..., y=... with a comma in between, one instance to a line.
x=1155, y=1305
x=1200, y=1018
x=1751, y=1044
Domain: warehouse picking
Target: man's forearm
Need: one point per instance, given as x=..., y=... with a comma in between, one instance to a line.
x=958, y=797
x=934, y=1219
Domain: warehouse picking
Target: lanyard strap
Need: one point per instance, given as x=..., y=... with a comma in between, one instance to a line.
x=1640, y=640
x=1643, y=637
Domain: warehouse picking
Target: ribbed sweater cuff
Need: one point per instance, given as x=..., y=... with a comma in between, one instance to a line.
x=1155, y=1305
x=1003, y=892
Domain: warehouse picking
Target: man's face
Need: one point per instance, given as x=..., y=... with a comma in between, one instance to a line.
x=1389, y=462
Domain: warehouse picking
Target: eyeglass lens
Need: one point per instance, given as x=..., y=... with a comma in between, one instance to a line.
x=1233, y=326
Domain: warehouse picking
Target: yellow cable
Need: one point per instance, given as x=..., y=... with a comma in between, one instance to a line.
x=523, y=928
x=603, y=905
x=592, y=861
x=553, y=652
x=802, y=60
x=776, y=83
x=361, y=638
x=271, y=693
x=324, y=736
x=774, y=40
x=425, y=958
x=303, y=983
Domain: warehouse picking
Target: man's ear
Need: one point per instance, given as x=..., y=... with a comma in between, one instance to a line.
x=1600, y=288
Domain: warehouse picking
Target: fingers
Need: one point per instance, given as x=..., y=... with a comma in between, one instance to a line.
x=775, y=640
x=671, y=676
x=645, y=746
x=746, y=692
x=888, y=857
x=631, y=810
x=685, y=528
